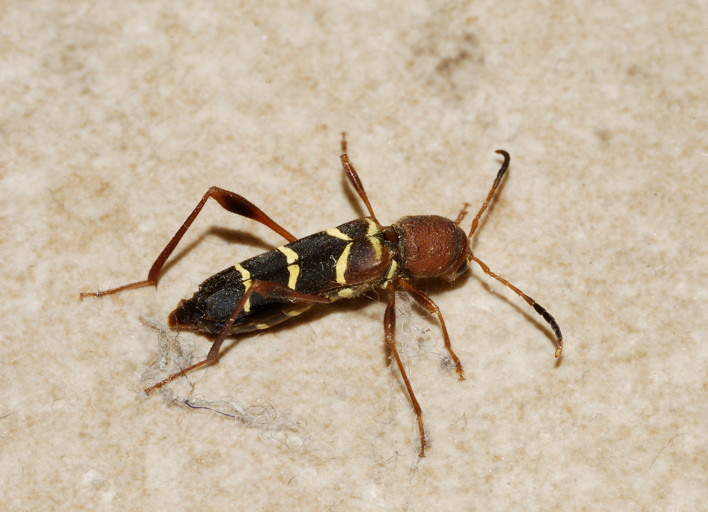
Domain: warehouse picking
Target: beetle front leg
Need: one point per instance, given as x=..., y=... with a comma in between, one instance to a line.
x=427, y=303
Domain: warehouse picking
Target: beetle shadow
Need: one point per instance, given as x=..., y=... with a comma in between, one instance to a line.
x=352, y=197
x=523, y=309
x=436, y=287
x=226, y=235
x=318, y=311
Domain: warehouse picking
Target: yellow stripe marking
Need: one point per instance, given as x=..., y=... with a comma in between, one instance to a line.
x=262, y=326
x=297, y=311
x=345, y=293
x=246, y=276
x=337, y=234
x=371, y=234
x=342, y=264
x=391, y=270
x=293, y=268
x=289, y=254
x=294, y=274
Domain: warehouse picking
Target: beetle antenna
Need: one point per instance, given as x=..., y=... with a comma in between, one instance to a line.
x=497, y=180
x=535, y=305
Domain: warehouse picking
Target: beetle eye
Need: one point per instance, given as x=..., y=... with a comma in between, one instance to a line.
x=462, y=269
x=458, y=272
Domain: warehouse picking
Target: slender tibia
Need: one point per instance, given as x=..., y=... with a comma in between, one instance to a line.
x=353, y=177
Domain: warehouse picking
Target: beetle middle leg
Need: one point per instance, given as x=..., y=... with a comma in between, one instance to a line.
x=264, y=289
x=353, y=177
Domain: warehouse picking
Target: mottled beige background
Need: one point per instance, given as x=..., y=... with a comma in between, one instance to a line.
x=116, y=117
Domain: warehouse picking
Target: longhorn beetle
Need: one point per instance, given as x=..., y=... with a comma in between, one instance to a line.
x=334, y=264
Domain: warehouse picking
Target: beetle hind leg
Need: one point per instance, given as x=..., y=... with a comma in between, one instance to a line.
x=229, y=201
x=262, y=288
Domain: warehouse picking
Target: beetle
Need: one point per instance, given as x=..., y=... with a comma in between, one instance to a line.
x=337, y=263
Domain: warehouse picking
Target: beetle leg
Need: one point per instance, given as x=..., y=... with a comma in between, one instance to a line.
x=231, y=202
x=427, y=303
x=462, y=214
x=264, y=289
x=353, y=177
x=389, y=331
